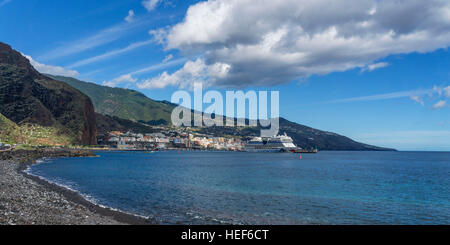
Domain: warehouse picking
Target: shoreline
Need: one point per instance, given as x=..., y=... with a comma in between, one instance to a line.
x=20, y=163
x=75, y=197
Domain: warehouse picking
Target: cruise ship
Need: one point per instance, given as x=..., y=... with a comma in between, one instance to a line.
x=279, y=143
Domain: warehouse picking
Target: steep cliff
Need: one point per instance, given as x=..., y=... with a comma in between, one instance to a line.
x=27, y=97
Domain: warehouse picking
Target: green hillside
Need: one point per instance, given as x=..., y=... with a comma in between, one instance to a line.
x=31, y=134
x=8, y=130
x=107, y=124
x=122, y=103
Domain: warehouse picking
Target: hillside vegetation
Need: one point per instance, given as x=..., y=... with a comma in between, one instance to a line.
x=106, y=124
x=8, y=130
x=122, y=103
x=31, y=134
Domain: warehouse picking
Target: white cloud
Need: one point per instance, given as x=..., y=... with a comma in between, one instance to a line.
x=102, y=37
x=150, y=4
x=159, y=66
x=122, y=79
x=395, y=95
x=447, y=92
x=275, y=42
x=375, y=66
x=442, y=91
x=159, y=35
x=439, y=104
x=130, y=16
x=415, y=95
x=417, y=99
x=112, y=53
x=438, y=90
x=49, y=69
x=128, y=78
x=192, y=71
x=167, y=58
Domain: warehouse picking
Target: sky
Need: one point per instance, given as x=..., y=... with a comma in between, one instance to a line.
x=376, y=71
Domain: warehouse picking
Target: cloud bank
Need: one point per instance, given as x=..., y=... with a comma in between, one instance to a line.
x=275, y=42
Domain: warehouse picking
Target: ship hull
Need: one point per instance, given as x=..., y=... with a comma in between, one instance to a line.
x=273, y=150
x=303, y=151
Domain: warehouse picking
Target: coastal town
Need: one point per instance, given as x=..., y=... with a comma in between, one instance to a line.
x=168, y=140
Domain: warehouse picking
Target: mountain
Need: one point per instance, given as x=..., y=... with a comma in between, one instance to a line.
x=306, y=137
x=35, y=101
x=122, y=103
x=107, y=124
x=303, y=136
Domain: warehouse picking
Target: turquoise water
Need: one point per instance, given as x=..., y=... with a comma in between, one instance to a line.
x=264, y=188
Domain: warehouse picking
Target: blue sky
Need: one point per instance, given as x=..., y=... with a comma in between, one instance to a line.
x=360, y=70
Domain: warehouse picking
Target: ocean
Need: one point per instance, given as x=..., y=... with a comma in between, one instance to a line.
x=330, y=187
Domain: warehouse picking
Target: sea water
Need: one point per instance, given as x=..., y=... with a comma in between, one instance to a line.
x=195, y=187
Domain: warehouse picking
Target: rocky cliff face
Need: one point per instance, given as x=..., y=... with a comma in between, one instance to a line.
x=26, y=96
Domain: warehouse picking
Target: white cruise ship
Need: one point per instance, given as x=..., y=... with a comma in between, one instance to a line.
x=279, y=143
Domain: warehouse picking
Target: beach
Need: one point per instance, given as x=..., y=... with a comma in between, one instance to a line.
x=29, y=200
